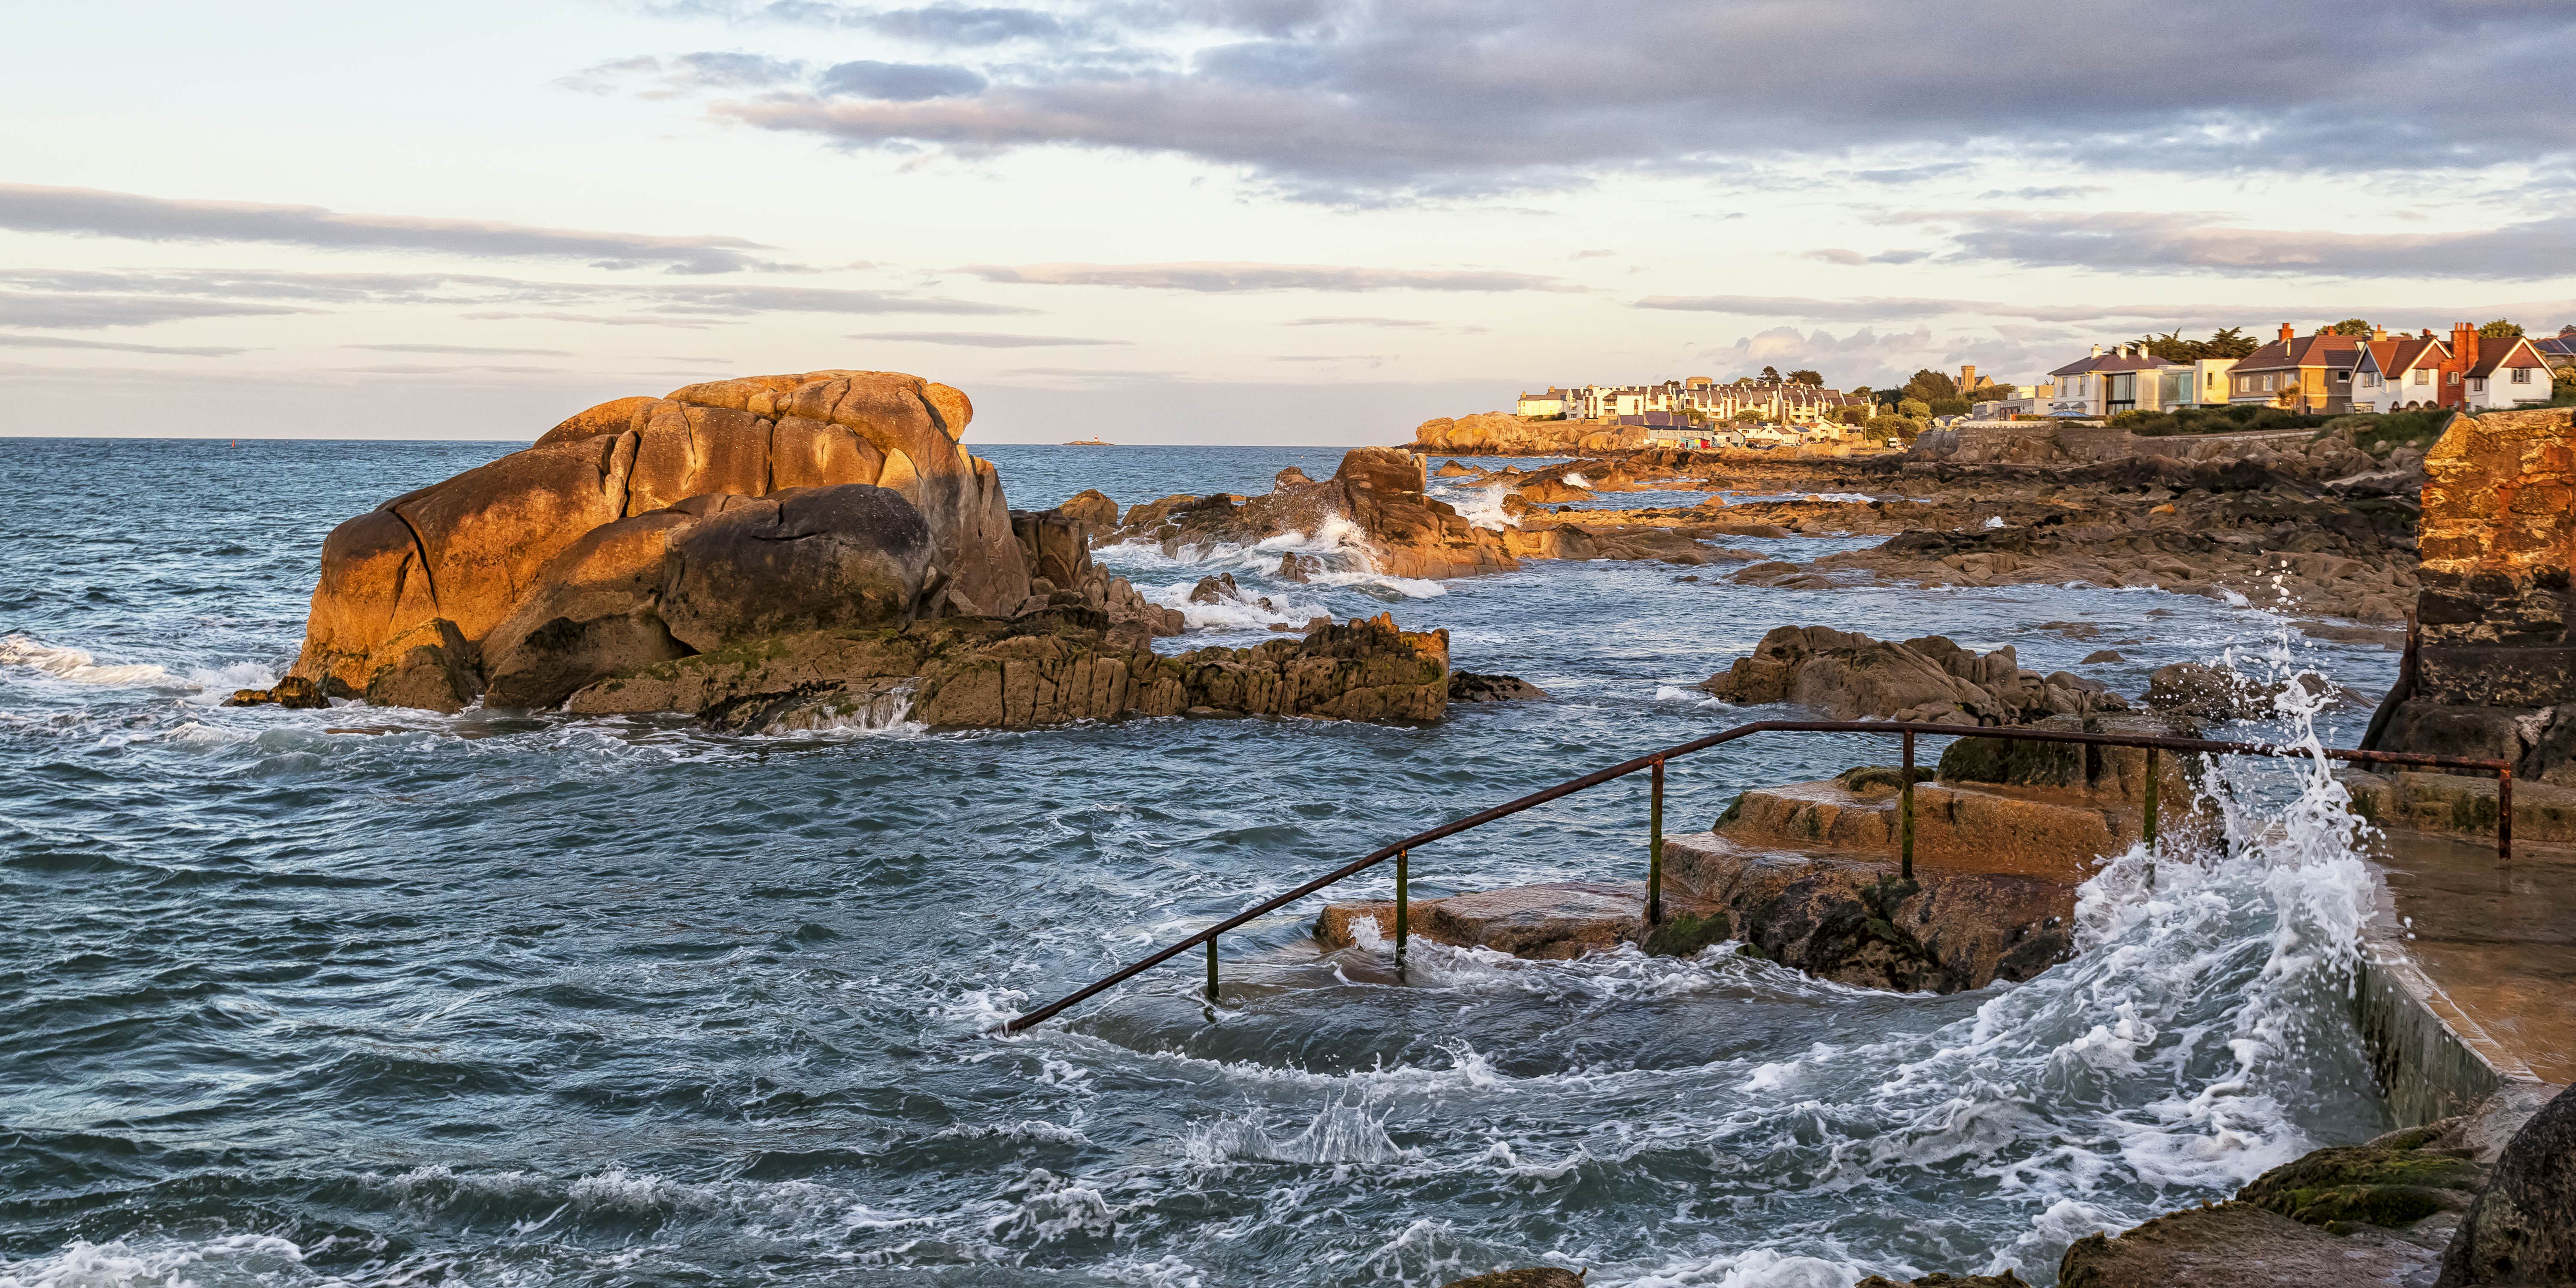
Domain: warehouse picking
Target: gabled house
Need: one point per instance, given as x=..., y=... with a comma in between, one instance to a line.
x=2105, y=384
x=2558, y=350
x=2499, y=372
x=1547, y=406
x=2400, y=373
x=2307, y=373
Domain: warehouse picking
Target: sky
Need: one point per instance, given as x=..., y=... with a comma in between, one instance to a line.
x=1229, y=221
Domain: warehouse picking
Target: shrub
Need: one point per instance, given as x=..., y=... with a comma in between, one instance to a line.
x=1913, y=408
x=1883, y=429
x=1949, y=406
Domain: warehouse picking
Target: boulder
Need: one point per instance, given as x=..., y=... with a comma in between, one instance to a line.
x=1091, y=508
x=2191, y=689
x=1456, y=470
x=2522, y=1229
x=469, y=550
x=1496, y=433
x=1468, y=686
x=1377, y=492
x=2236, y=1245
x=1846, y=676
x=1938, y=1280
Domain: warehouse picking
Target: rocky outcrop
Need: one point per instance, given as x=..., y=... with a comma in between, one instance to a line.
x=1378, y=492
x=2522, y=1229
x=1531, y=1277
x=2494, y=676
x=1051, y=666
x=1496, y=433
x=1938, y=1280
x=1468, y=686
x=1846, y=676
x=470, y=551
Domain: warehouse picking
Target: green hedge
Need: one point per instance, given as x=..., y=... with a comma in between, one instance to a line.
x=2213, y=420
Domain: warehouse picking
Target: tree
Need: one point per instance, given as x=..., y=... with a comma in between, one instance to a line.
x=2230, y=343
x=1928, y=384
x=2501, y=329
x=1770, y=375
x=1748, y=417
x=1913, y=408
x=2172, y=347
x=1882, y=429
x=1804, y=377
x=2349, y=326
x=1949, y=406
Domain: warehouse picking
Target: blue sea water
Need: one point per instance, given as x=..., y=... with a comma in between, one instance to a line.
x=386, y=997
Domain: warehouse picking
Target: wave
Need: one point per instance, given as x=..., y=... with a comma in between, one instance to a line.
x=76, y=666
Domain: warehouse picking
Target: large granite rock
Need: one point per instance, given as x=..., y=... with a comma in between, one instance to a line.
x=1050, y=666
x=2494, y=675
x=1846, y=676
x=1377, y=492
x=470, y=550
x=2522, y=1229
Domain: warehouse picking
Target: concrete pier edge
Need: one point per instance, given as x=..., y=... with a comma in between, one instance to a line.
x=2431, y=1058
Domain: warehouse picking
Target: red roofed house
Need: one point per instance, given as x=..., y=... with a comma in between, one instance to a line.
x=2481, y=373
x=2307, y=373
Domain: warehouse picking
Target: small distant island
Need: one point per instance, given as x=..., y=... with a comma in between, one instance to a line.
x=1093, y=441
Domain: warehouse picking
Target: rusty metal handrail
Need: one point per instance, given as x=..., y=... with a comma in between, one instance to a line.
x=1401, y=850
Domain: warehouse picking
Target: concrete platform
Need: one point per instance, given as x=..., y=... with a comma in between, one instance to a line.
x=2494, y=943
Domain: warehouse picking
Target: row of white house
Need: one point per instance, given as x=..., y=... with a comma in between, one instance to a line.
x=1697, y=399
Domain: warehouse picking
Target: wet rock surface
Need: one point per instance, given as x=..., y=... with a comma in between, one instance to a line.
x=2522, y=1228
x=1533, y=1277
x=1377, y=493
x=1846, y=676
x=1468, y=686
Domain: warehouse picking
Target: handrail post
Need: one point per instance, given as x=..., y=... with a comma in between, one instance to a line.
x=1402, y=917
x=1905, y=813
x=2150, y=830
x=2504, y=813
x=1655, y=850
x=1211, y=990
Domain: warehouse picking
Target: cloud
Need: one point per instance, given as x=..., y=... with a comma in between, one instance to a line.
x=74, y=298
x=1592, y=254
x=684, y=74
x=430, y=369
x=1407, y=323
x=1361, y=102
x=1837, y=255
x=900, y=82
x=64, y=342
x=2131, y=240
x=1265, y=277
x=938, y=24
x=80, y=312
x=1880, y=308
x=462, y=350
x=982, y=339
x=2060, y=192
x=90, y=212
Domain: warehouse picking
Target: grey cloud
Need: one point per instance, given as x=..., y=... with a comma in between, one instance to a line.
x=1355, y=101
x=1592, y=254
x=1265, y=277
x=2115, y=240
x=462, y=350
x=64, y=342
x=2061, y=192
x=83, y=312
x=983, y=339
x=94, y=213
x=899, y=82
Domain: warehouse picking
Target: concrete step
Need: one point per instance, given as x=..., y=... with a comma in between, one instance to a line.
x=1553, y=922
x=2462, y=805
x=2043, y=832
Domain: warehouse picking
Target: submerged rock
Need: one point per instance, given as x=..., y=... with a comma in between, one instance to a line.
x=1533, y=1277
x=1938, y=1280
x=1468, y=686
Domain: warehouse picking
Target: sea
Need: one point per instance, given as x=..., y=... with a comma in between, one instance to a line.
x=384, y=997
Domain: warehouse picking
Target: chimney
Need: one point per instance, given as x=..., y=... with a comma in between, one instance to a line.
x=2464, y=345
x=2428, y=333
x=2286, y=333
x=2097, y=352
x=2379, y=333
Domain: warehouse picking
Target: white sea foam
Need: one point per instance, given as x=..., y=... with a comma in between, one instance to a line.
x=1577, y=480
x=75, y=666
x=1845, y=498
x=159, y=1262
x=1483, y=508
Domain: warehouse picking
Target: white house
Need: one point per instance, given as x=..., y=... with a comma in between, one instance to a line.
x=2127, y=378
x=1547, y=406
x=2503, y=372
x=2399, y=373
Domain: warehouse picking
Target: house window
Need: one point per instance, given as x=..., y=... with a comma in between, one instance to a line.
x=2423, y=377
x=2477, y=386
x=2343, y=377
x=2522, y=375
x=2455, y=378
